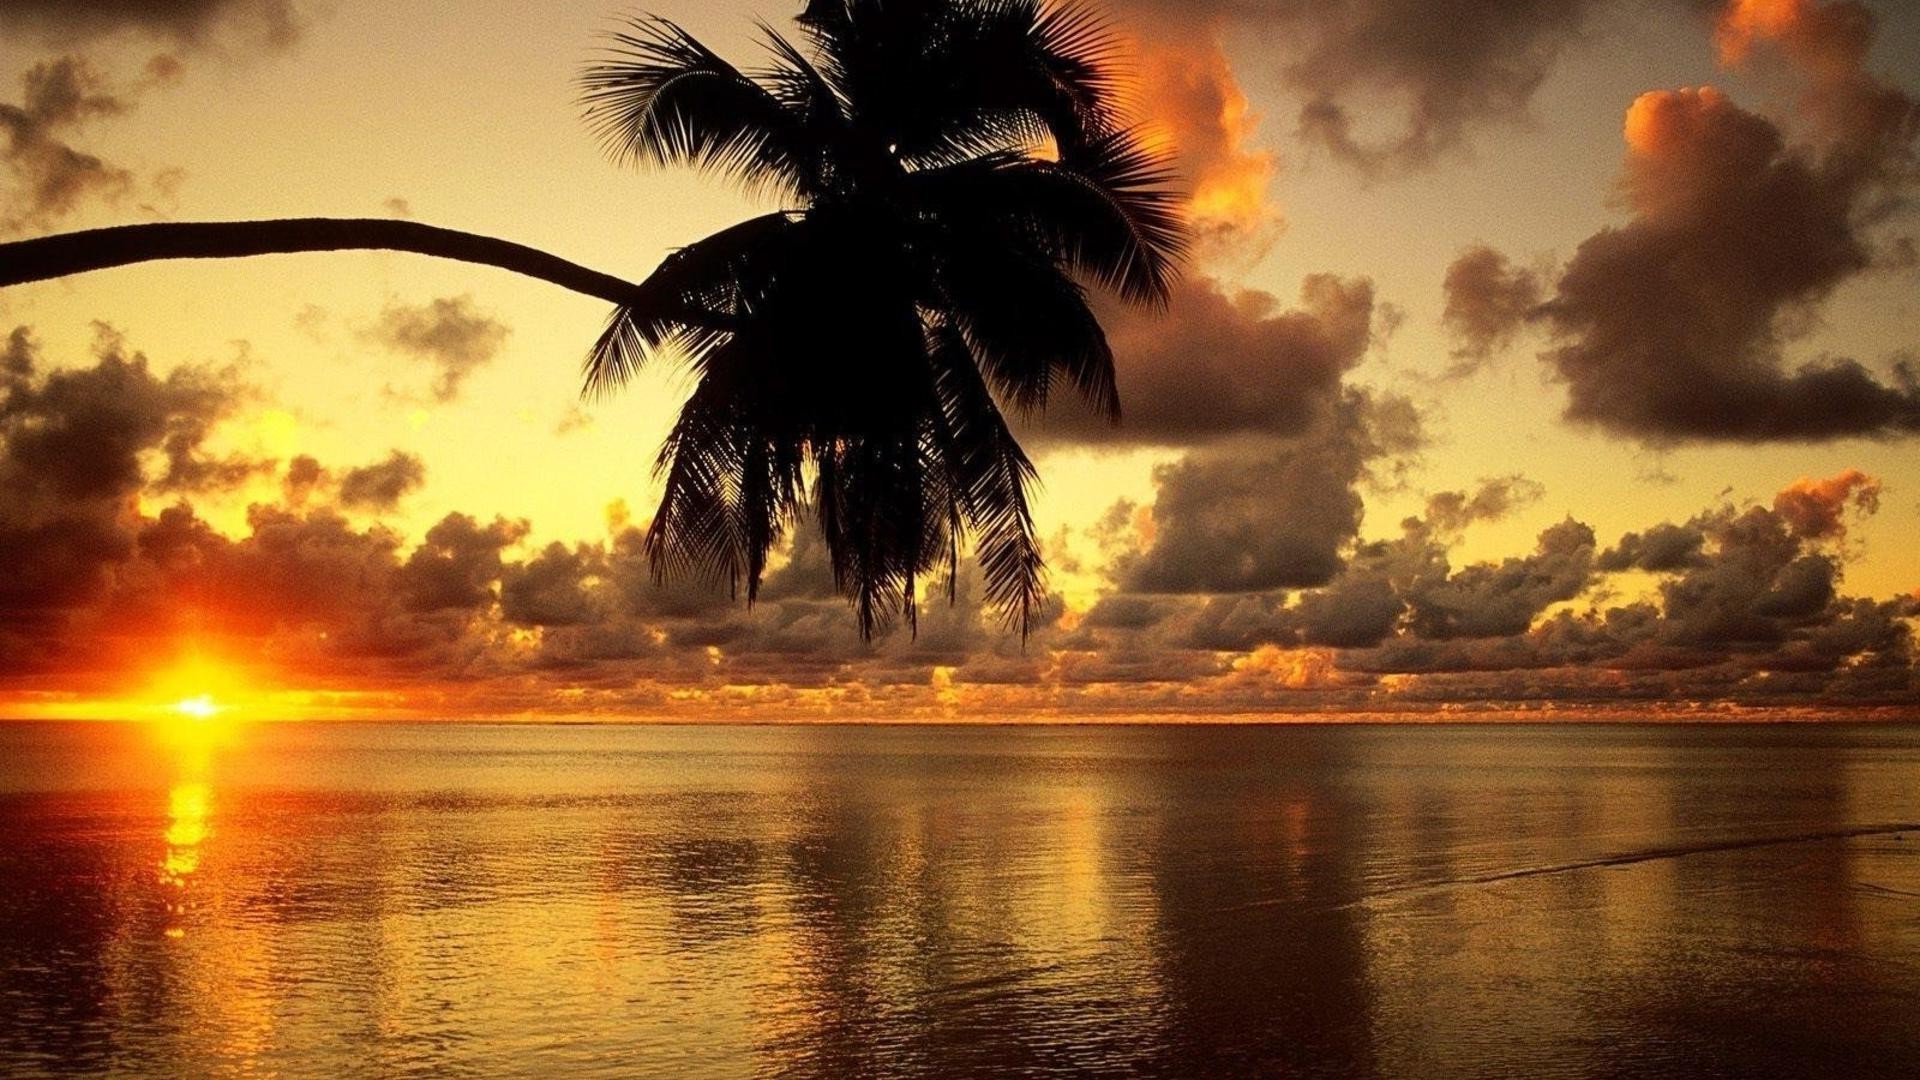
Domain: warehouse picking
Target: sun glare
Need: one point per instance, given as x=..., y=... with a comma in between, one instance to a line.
x=199, y=707
x=200, y=697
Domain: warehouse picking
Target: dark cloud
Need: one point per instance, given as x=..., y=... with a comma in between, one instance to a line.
x=295, y=574
x=1674, y=326
x=305, y=476
x=457, y=564
x=79, y=435
x=1745, y=610
x=1663, y=548
x=449, y=333
x=50, y=178
x=77, y=448
x=1268, y=514
x=1358, y=611
x=1221, y=363
x=1451, y=512
x=553, y=588
x=1449, y=70
x=1503, y=599
x=1385, y=580
x=1488, y=301
x=1369, y=599
x=188, y=23
x=1743, y=594
x=381, y=485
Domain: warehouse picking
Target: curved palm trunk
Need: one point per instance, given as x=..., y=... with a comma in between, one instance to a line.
x=46, y=257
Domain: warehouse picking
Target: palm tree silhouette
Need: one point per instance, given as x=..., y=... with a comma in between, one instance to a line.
x=955, y=173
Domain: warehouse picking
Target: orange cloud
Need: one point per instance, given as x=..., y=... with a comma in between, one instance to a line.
x=1816, y=509
x=1188, y=92
x=1295, y=669
x=1744, y=23
x=1661, y=121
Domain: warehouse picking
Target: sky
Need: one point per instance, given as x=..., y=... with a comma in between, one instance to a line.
x=1544, y=360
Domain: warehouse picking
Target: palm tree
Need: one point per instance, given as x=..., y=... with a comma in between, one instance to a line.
x=955, y=174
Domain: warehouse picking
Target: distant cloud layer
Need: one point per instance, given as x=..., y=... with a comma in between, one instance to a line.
x=1245, y=585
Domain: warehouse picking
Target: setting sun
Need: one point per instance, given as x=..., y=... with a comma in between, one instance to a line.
x=201, y=707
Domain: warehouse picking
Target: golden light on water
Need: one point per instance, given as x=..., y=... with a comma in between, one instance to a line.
x=187, y=828
x=195, y=708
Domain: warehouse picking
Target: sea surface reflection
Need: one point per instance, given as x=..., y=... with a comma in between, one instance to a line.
x=325, y=900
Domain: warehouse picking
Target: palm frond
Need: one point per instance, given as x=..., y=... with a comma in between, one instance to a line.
x=690, y=302
x=1113, y=210
x=990, y=474
x=1025, y=319
x=663, y=98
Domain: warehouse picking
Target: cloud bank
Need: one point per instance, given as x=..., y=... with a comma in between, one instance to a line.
x=1245, y=587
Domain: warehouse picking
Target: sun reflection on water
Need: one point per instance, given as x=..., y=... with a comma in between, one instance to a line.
x=196, y=728
x=187, y=829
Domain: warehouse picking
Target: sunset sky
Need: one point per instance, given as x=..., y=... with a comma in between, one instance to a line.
x=1534, y=357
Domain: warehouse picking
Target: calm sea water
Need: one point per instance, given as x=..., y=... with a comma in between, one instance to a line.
x=445, y=900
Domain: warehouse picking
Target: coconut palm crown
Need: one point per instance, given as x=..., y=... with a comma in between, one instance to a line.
x=956, y=174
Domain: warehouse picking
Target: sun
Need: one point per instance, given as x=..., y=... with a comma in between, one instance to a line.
x=198, y=707
x=198, y=692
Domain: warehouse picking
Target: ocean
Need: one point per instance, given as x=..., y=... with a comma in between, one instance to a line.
x=1408, y=901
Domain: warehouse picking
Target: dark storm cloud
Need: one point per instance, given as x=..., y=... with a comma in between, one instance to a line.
x=451, y=334
x=1220, y=363
x=189, y=23
x=49, y=177
x=381, y=485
